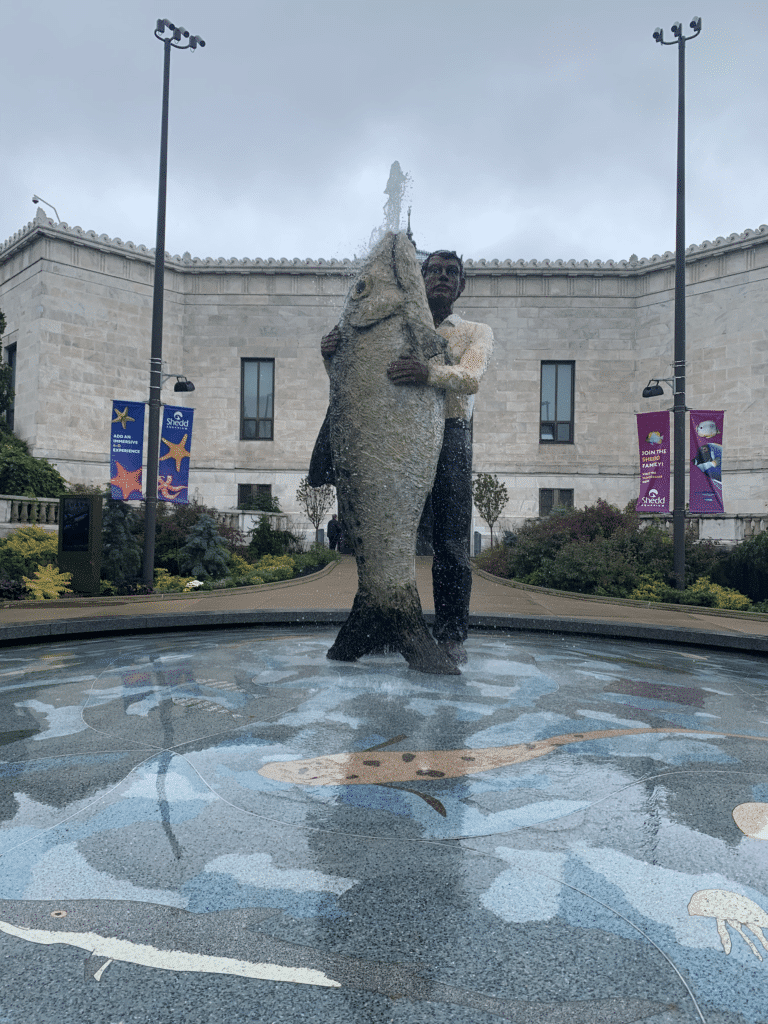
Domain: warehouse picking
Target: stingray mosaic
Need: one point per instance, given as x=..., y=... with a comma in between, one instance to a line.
x=572, y=830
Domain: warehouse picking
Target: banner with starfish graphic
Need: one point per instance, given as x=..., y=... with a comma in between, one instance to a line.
x=126, y=441
x=175, y=450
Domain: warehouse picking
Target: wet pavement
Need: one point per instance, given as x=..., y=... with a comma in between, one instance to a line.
x=227, y=827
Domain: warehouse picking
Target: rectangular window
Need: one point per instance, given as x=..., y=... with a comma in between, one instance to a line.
x=556, y=424
x=10, y=358
x=552, y=497
x=257, y=399
x=254, y=496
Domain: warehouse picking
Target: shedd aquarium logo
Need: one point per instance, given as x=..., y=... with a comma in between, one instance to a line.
x=653, y=497
x=177, y=420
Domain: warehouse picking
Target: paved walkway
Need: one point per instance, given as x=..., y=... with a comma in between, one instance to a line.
x=326, y=597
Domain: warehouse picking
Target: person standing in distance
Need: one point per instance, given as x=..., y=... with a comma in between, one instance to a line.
x=468, y=353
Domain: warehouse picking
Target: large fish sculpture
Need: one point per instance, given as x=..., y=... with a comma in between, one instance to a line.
x=386, y=442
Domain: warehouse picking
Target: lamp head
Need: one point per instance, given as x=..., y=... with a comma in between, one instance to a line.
x=653, y=390
x=182, y=384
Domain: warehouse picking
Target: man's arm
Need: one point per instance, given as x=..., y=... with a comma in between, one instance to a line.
x=463, y=377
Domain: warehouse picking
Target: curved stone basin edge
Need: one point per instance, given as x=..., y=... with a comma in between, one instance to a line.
x=89, y=628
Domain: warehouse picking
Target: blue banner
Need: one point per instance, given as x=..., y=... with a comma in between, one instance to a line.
x=175, y=450
x=125, y=450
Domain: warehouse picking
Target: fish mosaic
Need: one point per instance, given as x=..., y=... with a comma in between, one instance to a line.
x=367, y=768
x=509, y=835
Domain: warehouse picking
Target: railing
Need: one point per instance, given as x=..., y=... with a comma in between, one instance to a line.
x=18, y=511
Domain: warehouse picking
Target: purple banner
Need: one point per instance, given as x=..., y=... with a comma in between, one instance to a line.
x=127, y=436
x=175, y=450
x=705, y=483
x=653, y=440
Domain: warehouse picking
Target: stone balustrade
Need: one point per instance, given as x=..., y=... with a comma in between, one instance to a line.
x=16, y=510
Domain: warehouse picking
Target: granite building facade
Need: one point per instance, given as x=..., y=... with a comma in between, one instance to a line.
x=575, y=344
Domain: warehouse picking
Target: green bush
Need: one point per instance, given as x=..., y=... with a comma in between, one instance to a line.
x=174, y=525
x=498, y=561
x=273, y=568
x=165, y=583
x=12, y=590
x=205, y=553
x=594, y=567
x=23, y=474
x=267, y=541
x=27, y=548
x=122, y=545
x=313, y=560
x=720, y=597
x=48, y=584
x=539, y=541
x=745, y=568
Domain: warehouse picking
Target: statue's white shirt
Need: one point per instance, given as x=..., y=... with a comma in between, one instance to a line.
x=469, y=350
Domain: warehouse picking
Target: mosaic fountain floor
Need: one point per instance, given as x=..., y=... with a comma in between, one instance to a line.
x=571, y=832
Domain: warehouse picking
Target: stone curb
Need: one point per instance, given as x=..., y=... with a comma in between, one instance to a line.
x=83, y=629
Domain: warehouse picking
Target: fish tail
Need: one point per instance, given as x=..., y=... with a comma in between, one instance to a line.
x=395, y=623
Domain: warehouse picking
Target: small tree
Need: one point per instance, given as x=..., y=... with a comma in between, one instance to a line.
x=490, y=497
x=316, y=501
x=121, y=544
x=206, y=553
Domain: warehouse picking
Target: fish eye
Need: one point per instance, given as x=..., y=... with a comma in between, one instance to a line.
x=59, y=913
x=361, y=287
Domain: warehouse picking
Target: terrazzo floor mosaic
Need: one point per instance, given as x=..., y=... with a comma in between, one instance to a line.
x=229, y=827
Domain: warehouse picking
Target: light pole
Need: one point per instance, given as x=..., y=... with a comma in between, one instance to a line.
x=156, y=358
x=678, y=508
x=37, y=199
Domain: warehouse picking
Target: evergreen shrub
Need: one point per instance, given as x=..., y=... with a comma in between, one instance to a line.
x=205, y=554
x=122, y=546
x=745, y=568
x=265, y=540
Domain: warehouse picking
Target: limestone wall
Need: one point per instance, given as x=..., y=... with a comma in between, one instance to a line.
x=79, y=309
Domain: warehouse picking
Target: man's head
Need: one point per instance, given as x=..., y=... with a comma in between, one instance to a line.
x=444, y=280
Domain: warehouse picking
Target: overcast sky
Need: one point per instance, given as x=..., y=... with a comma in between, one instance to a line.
x=542, y=129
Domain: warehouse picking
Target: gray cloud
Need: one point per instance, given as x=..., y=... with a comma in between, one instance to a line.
x=530, y=129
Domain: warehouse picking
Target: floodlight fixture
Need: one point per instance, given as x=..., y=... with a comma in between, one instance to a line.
x=37, y=199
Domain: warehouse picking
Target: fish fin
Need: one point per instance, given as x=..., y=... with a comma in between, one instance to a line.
x=426, y=343
x=433, y=802
x=386, y=743
x=95, y=965
x=394, y=621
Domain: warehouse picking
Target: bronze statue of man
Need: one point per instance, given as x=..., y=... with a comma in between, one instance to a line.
x=468, y=352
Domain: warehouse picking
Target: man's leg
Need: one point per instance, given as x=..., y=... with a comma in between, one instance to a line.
x=452, y=509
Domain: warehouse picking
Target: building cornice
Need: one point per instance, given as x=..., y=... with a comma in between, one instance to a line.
x=43, y=226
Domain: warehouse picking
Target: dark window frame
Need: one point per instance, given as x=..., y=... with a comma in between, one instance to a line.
x=257, y=421
x=551, y=498
x=247, y=492
x=554, y=424
x=11, y=356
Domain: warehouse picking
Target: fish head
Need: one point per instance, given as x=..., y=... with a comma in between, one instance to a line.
x=18, y=917
x=707, y=428
x=331, y=770
x=388, y=281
